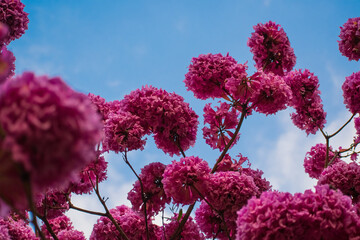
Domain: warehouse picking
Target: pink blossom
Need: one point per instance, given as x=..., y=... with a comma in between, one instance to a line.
x=272, y=95
x=229, y=164
x=166, y=115
x=349, y=44
x=7, y=64
x=208, y=73
x=314, y=162
x=123, y=132
x=260, y=182
x=210, y=223
x=95, y=171
x=71, y=235
x=151, y=177
x=4, y=30
x=323, y=214
x=49, y=133
x=306, y=100
x=63, y=229
x=357, y=127
x=343, y=176
x=52, y=204
x=17, y=229
x=131, y=223
x=351, y=92
x=12, y=14
x=184, y=179
x=271, y=49
x=222, y=125
x=189, y=231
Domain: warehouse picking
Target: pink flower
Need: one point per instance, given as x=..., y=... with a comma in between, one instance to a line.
x=260, y=182
x=190, y=230
x=323, y=214
x=63, y=229
x=49, y=133
x=229, y=164
x=314, y=162
x=12, y=14
x=351, y=92
x=123, y=132
x=184, y=179
x=221, y=122
x=272, y=94
x=166, y=115
x=349, y=44
x=7, y=64
x=16, y=229
x=208, y=73
x=271, y=49
x=94, y=171
x=343, y=176
x=151, y=177
x=52, y=204
x=306, y=100
x=131, y=223
x=357, y=127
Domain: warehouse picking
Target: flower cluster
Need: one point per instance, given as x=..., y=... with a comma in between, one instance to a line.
x=49, y=133
x=323, y=214
x=349, y=44
x=272, y=94
x=351, y=92
x=52, y=204
x=131, y=223
x=208, y=73
x=12, y=14
x=184, y=180
x=221, y=122
x=189, y=231
x=343, y=176
x=306, y=100
x=7, y=64
x=239, y=86
x=11, y=228
x=166, y=115
x=151, y=177
x=314, y=162
x=63, y=229
x=271, y=49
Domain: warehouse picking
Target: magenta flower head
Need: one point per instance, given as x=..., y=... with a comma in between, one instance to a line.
x=351, y=92
x=208, y=73
x=16, y=229
x=272, y=95
x=271, y=49
x=343, y=176
x=151, y=177
x=63, y=229
x=166, y=115
x=12, y=14
x=323, y=214
x=7, y=64
x=306, y=100
x=52, y=204
x=131, y=223
x=48, y=133
x=189, y=231
x=260, y=182
x=184, y=180
x=314, y=162
x=349, y=44
x=222, y=124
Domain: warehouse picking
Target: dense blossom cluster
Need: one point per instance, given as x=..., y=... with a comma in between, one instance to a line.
x=63, y=229
x=185, y=179
x=50, y=132
x=239, y=86
x=131, y=222
x=323, y=214
x=349, y=44
x=343, y=176
x=351, y=92
x=166, y=115
x=12, y=228
x=221, y=122
x=52, y=204
x=315, y=160
x=12, y=14
x=272, y=94
x=151, y=177
x=190, y=230
x=306, y=100
x=208, y=73
x=7, y=64
x=271, y=49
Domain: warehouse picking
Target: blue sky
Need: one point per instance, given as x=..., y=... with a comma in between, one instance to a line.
x=110, y=48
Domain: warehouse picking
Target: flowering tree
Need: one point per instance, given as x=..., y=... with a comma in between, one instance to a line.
x=53, y=140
